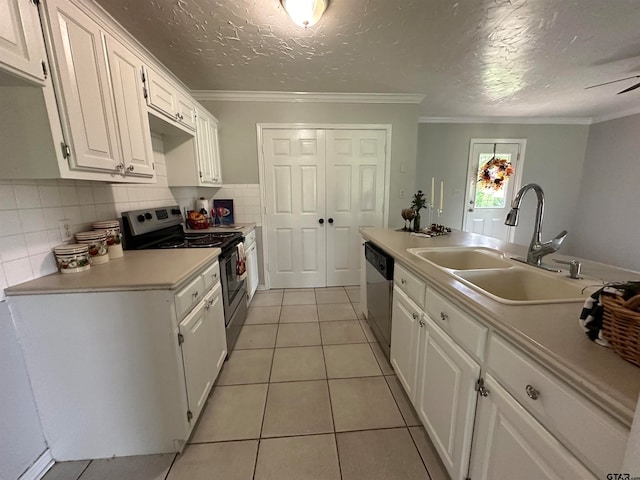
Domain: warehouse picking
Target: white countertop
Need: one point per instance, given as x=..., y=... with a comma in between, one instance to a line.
x=550, y=333
x=136, y=270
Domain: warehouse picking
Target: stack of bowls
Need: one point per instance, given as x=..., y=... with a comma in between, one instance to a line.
x=72, y=258
x=97, y=243
x=114, y=239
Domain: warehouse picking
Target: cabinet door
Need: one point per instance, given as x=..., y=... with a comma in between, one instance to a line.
x=218, y=335
x=196, y=330
x=510, y=443
x=83, y=88
x=21, y=42
x=252, y=271
x=131, y=110
x=406, y=320
x=446, y=396
x=185, y=111
x=203, y=133
x=214, y=149
x=161, y=95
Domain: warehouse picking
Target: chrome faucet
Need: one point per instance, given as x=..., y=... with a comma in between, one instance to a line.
x=537, y=249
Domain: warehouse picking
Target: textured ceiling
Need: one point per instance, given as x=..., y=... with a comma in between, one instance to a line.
x=468, y=57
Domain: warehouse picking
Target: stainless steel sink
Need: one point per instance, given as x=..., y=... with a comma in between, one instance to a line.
x=462, y=258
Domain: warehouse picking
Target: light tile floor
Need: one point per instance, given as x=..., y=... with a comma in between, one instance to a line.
x=306, y=395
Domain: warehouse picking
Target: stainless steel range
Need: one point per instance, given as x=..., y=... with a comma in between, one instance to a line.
x=161, y=227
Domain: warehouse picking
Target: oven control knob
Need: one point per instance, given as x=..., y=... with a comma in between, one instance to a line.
x=141, y=218
x=147, y=216
x=176, y=211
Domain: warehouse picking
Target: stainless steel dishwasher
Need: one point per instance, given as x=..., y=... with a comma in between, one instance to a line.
x=379, y=294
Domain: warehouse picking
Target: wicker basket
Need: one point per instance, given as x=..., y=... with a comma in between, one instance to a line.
x=621, y=326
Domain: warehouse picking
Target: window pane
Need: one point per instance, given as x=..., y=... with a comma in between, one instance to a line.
x=493, y=177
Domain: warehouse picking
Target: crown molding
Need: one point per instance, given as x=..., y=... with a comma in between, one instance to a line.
x=305, y=97
x=614, y=116
x=511, y=120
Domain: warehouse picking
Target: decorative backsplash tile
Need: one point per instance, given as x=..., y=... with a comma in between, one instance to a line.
x=246, y=201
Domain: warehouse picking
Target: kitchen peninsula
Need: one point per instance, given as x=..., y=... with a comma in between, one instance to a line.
x=573, y=387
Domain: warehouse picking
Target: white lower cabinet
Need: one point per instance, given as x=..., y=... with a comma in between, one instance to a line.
x=446, y=396
x=120, y=373
x=407, y=318
x=202, y=339
x=517, y=420
x=510, y=443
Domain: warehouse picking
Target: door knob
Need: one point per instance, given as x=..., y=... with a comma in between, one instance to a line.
x=321, y=221
x=330, y=220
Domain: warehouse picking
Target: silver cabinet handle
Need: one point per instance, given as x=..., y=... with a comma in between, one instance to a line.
x=415, y=316
x=403, y=281
x=131, y=168
x=208, y=304
x=532, y=393
x=421, y=323
x=215, y=275
x=195, y=294
x=443, y=316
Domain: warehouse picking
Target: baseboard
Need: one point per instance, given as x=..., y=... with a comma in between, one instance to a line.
x=39, y=467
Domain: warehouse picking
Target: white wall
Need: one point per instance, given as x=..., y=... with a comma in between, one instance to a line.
x=238, y=136
x=607, y=218
x=554, y=158
x=21, y=438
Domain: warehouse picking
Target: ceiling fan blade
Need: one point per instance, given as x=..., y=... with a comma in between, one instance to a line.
x=613, y=81
x=632, y=87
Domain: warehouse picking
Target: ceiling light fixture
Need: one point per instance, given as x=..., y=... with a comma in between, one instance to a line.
x=305, y=12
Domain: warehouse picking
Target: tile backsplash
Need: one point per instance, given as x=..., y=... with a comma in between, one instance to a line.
x=30, y=212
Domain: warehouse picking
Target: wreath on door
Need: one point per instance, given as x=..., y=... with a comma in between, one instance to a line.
x=495, y=173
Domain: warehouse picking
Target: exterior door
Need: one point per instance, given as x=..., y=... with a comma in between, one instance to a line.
x=493, y=178
x=295, y=190
x=355, y=197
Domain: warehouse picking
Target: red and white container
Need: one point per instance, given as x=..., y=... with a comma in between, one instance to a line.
x=114, y=238
x=97, y=242
x=72, y=258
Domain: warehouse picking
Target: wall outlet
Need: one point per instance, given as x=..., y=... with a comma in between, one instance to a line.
x=65, y=229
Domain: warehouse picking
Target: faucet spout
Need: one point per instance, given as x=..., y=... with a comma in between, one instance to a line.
x=537, y=249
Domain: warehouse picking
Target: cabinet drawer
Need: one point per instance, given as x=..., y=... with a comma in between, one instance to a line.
x=188, y=296
x=469, y=333
x=250, y=239
x=596, y=438
x=409, y=284
x=211, y=276
x=185, y=111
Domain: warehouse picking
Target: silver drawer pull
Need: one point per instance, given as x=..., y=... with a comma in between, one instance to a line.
x=532, y=393
x=195, y=294
x=215, y=275
x=443, y=316
x=421, y=323
x=415, y=316
x=208, y=304
x=403, y=281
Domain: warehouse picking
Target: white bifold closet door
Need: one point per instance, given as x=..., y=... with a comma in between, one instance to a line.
x=321, y=186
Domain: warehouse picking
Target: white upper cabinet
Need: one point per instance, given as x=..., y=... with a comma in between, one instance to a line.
x=131, y=110
x=164, y=98
x=21, y=44
x=208, y=152
x=83, y=89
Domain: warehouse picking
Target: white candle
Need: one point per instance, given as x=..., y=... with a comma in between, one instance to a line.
x=432, y=199
x=441, y=192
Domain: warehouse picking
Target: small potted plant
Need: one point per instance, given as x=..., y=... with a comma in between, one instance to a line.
x=418, y=203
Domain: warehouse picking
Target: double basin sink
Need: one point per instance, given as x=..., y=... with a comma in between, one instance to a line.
x=494, y=274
